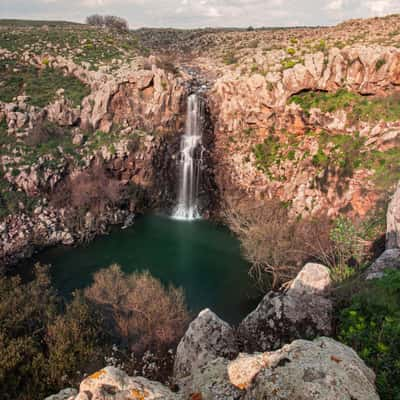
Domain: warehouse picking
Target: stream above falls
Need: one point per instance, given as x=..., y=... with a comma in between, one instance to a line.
x=201, y=257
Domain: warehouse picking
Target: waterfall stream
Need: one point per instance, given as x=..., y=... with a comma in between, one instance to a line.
x=190, y=161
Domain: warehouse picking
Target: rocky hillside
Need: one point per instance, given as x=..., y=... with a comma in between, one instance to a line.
x=308, y=116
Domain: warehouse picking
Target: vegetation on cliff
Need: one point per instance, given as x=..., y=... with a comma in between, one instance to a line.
x=40, y=85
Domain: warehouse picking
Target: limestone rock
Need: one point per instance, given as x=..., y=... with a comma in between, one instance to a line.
x=66, y=394
x=390, y=259
x=312, y=279
x=210, y=382
x=112, y=383
x=393, y=222
x=320, y=370
x=303, y=311
x=246, y=367
x=207, y=338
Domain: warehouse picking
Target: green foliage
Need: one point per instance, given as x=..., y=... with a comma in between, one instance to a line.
x=288, y=63
x=80, y=42
x=371, y=325
x=358, y=107
x=11, y=199
x=266, y=153
x=40, y=347
x=347, y=249
x=379, y=64
x=39, y=84
x=291, y=51
x=230, y=58
x=321, y=46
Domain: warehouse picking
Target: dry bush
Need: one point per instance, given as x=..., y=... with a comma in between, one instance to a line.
x=95, y=20
x=276, y=246
x=108, y=21
x=43, y=132
x=145, y=314
x=117, y=23
x=92, y=190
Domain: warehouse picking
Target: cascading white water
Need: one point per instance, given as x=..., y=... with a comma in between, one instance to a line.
x=191, y=159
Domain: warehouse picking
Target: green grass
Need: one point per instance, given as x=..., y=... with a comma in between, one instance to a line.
x=39, y=84
x=80, y=42
x=369, y=109
x=371, y=325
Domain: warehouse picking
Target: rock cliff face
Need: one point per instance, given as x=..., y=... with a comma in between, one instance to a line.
x=249, y=109
x=261, y=141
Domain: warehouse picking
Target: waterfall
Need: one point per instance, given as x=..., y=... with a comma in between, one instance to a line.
x=190, y=161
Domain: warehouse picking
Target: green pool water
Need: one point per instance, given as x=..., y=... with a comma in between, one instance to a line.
x=199, y=256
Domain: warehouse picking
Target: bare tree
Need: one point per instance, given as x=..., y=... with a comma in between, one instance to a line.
x=117, y=23
x=95, y=20
x=275, y=245
x=145, y=313
x=91, y=190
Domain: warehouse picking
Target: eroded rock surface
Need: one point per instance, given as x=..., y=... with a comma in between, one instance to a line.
x=207, y=338
x=303, y=311
x=320, y=370
x=388, y=260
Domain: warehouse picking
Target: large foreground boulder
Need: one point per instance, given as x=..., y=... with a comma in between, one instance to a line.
x=320, y=370
x=207, y=338
x=303, y=311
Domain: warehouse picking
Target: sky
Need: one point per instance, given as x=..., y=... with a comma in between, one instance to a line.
x=203, y=13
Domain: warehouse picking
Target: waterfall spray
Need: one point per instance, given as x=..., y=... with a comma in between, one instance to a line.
x=191, y=160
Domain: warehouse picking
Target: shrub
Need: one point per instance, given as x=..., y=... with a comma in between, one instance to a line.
x=230, y=58
x=108, y=21
x=346, y=250
x=91, y=190
x=379, y=64
x=291, y=51
x=276, y=246
x=40, y=348
x=145, y=314
x=95, y=20
x=117, y=23
x=371, y=325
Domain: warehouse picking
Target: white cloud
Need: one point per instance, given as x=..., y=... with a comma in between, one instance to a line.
x=194, y=13
x=335, y=5
x=379, y=6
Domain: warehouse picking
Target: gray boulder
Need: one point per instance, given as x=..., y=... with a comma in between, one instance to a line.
x=207, y=338
x=320, y=370
x=389, y=259
x=303, y=311
x=65, y=394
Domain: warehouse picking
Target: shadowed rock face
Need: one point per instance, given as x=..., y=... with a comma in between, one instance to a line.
x=303, y=311
x=207, y=337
